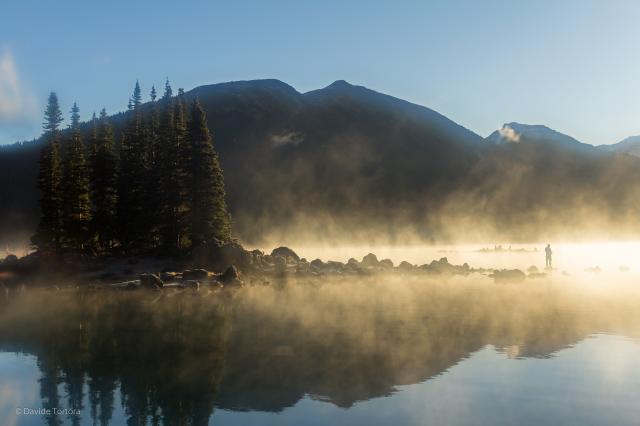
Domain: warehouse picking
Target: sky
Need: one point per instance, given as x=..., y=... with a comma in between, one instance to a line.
x=571, y=65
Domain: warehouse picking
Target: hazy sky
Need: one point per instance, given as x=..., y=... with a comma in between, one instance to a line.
x=572, y=65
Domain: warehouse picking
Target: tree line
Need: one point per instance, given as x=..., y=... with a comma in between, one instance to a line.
x=158, y=189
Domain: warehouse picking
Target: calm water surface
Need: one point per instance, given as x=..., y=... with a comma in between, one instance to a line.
x=378, y=350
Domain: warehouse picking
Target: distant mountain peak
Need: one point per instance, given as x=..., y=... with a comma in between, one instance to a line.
x=537, y=133
x=629, y=145
x=340, y=84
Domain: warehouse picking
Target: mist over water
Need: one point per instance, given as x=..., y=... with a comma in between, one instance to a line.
x=336, y=350
x=617, y=258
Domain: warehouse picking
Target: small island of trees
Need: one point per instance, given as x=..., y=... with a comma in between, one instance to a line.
x=158, y=189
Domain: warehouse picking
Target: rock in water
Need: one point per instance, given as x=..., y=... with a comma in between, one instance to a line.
x=10, y=260
x=316, y=265
x=286, y=253
x=151, y=281
x=386, y=263
x=168, y=276
x=405, y=266
x=195, y=274
x=370, y=261
x=231, y=277
x=194, y=284
x=217, y=257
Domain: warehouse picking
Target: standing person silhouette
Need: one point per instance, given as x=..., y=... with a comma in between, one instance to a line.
x=548, y=253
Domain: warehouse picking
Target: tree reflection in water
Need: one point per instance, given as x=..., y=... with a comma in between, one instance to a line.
x=176, y=357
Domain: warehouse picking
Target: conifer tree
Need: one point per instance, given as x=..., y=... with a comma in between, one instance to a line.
x=75, y=185
x=209, y=218
x=171, y=177
x=49, y=232
x=182, y=172
x=133, y=172
x=92, y=142
x=151, y=192
x=103, y=184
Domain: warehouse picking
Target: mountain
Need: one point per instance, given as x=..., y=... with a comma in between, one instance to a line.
x=527, y=133
x=346, y=163
x=630, y=145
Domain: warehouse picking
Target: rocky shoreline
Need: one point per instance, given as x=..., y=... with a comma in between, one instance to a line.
x=215, y=267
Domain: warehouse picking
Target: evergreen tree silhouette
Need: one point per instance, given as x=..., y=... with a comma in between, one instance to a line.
x=209, y=217
x=49, y=232
x=75, y=185
x=103, y=184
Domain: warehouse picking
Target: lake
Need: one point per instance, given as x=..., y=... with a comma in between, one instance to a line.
x=378, y=350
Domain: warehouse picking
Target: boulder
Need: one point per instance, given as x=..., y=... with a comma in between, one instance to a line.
x=285, y=252
x=302, y=267
x=11, y=259
x=370, y=261
x=218, y=256
x=334, y=266
x=151, y=281
x=195, y=274
x=279, y=261
x=132, y=285
x=194, y=284
x=353, y=262
x=405, y=266
x=532, y=269
x=232, y=254
x=169, y=276
x=317, y=265
x=442, y=266
x=231, y=277
x=386, y=263
x=508, y=275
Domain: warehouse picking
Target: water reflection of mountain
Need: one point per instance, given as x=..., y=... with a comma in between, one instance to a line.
x=174, y=359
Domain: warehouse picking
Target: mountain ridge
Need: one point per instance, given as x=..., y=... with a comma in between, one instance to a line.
x=348, y=162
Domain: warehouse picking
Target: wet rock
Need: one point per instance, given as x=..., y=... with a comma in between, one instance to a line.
x=302, y=267
x=169, y=276
x=405, y=266
x=285, y=252
x=279, y=261
x=442, y=266
x=151, y=281
x=194, y=284
x=132, y=285
x=352, y=266
x=317, y=264
x=508, y=275
x=10, y=260
x=532, y=269
x=333, y=266
x=386, y=263
x=231, y=277
x=218, y=256
x=232, y=254
x=370, y=261
x=195, y=274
